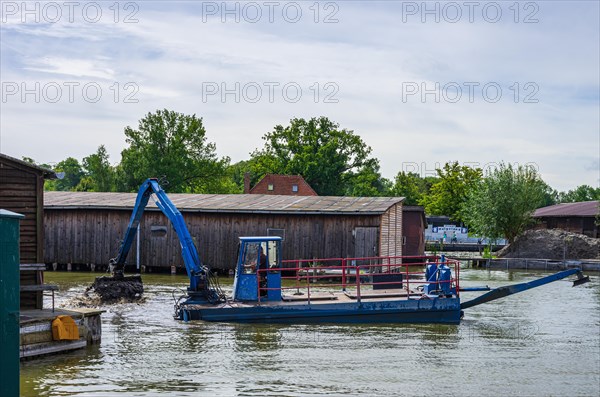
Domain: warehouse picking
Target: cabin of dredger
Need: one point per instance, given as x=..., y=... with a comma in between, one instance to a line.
x=258, y=266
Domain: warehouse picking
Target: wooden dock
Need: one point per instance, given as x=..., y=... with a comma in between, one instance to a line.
x=36, y=331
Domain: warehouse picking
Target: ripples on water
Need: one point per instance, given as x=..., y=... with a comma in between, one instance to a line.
x=542, y=342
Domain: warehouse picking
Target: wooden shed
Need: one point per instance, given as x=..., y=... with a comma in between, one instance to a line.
x=414, y=224
x=581, y=217
x=86, y=228
x=22, y=191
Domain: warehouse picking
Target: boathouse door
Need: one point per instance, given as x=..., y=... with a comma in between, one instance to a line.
x=366, y=241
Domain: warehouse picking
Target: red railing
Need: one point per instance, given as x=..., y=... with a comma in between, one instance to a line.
x=338, y=272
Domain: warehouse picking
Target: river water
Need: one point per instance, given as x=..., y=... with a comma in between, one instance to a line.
x=543, y=342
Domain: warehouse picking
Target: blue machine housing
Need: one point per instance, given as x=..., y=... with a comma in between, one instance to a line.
x=439, y=279
x=258, y=265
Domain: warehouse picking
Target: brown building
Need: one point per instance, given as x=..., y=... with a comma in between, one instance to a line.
x=288, y=185
x=414, y=224
x=86, y=228
x=574, y=217
x=22, y=191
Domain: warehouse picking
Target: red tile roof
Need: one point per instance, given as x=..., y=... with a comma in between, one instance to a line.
x=282, y=185
x=585, y=209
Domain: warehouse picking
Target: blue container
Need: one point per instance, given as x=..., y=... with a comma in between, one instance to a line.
x=445, y=274
x=431, y=275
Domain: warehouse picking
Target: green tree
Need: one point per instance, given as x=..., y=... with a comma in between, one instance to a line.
x=329, y=158
x=174, y=146
x=69, y=173
x=580, y=193
x=99, y=174
x=502, y=203
x=236, y=173
x=411, y=186
x=368, y=182
x=551, y=196
x=448, y=194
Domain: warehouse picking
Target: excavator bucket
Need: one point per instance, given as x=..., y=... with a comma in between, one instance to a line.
x=114, y=289
x=581, y=279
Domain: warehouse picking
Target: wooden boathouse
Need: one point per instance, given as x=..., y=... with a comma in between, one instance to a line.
x=22, y=191
x=84, y=229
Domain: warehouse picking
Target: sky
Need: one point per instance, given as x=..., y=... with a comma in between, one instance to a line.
x=422, y=83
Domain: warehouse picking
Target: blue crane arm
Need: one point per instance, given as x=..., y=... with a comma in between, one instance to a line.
x=195, y=270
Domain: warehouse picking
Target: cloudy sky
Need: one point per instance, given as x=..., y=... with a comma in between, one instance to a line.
x=421, y=83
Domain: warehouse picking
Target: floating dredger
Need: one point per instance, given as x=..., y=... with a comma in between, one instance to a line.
x=266, y=289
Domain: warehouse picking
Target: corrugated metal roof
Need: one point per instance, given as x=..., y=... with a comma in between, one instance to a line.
x=585, y=208
x=242, y=203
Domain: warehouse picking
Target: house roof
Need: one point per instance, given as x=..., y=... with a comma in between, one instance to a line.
x=283, y=183
x=45, y=172
x=584, y=209
x=236, y=203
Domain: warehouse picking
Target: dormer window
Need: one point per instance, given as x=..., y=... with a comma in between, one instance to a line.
x=294, y=188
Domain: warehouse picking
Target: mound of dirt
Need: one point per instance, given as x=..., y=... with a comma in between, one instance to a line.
x=112, y=289
x=552, y=244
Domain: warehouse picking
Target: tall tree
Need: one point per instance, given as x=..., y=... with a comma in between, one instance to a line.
x=70, y=173
x=174, y=146
x=368, y=182
x=99, y=174
x=411, y=186
x=551, y=196
x=449, y=193
x=502, y=203
x=327, y=156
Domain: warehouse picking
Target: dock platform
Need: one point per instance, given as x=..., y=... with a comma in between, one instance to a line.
x=36, y=331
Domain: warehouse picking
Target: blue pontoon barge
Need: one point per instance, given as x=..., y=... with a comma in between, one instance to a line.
x=344, y=290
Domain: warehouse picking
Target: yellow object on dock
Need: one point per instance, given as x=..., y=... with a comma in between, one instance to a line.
x=64, y=328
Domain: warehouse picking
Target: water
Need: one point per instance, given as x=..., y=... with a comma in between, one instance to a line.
x=539, y=343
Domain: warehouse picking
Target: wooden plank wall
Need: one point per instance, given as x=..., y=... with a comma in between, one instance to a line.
x=413, y=230
x=390, y=241
x=93, y=236
x=21, y=191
